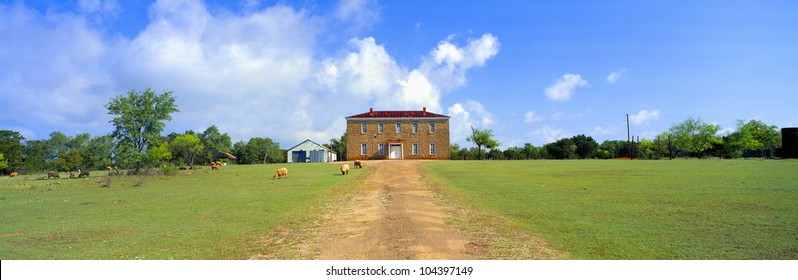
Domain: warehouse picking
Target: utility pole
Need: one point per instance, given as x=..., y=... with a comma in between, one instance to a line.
x=628, y=138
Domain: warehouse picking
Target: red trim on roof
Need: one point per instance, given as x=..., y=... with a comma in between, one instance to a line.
x=397, y=114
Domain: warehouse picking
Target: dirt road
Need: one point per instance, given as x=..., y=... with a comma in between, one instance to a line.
x=394, y=217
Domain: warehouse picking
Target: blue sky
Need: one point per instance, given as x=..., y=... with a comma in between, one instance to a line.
x=532, y=71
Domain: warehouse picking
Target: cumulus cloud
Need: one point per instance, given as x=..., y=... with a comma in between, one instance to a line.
x=464, y=116
x=358, y=14
x=564, y=88
x=547, y=134
x=644, y=116
x=256, y=74
x=616, y=76
x=531, y=117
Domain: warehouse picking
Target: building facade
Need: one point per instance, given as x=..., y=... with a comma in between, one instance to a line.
x=309, y=151
x=397, y=135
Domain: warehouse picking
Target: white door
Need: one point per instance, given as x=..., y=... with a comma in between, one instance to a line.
x=396, y=152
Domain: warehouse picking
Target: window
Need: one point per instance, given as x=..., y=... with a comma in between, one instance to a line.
x=381, y=149
x=431, y=148
x=415, y=127
x=363, y=149
x=380, y=127
x=415, y=148
x=398, y=127
x=431, y=127
x=363, y=127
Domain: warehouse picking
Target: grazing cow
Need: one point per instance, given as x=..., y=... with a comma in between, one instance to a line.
x=14, y=174
x=214, y=167
x=280, y=173
x=72, y=175
x=358, y=164
x=82, y=174
x=345, y=169
x=53, y=175
x=109, y=168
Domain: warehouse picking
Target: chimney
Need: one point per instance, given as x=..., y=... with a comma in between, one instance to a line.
x=424, y=111
x=371, y=112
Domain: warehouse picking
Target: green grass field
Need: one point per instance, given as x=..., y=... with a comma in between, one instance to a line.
x=681, y=209
x=194, y=215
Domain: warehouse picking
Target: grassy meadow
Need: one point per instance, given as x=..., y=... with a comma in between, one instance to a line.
x=680, y=209
x=199, y=214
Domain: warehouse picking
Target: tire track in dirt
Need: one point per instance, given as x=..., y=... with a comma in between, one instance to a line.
x=394, y=218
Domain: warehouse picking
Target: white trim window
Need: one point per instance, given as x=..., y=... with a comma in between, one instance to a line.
x=415, y=127
x=432, y=148
x=381, y=149
x=363, y=127
x=363, y=149
x=415, y=148
x=431, y=127
x=398, y=127
x=380, y=127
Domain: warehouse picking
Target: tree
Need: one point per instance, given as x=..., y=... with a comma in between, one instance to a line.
x=482, y=138
x=11, y=147
x=339, y=147
x=694, y=136
x=98, y=152
x=755, y=136
x=3, y=162
x=138, y=121
x=187, y=146
x=258, y=150
x=561, y=149
x=69, y=161
x=214, y=142
x=585, y=146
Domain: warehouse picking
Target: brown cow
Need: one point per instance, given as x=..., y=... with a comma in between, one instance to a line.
x=53, y=174
x=13, y=174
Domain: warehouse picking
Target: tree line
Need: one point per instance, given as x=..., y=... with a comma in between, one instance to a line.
x=135, y=144
x=690, y=138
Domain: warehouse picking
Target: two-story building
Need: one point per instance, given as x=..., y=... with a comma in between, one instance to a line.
x=397, y=135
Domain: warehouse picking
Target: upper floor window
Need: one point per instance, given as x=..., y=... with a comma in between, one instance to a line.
x=380, y=127
x=415, y=127
x=398, y=127
x=363, y=127
x=431, y=127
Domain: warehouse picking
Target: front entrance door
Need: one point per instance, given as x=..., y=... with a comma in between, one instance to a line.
x=396, y=151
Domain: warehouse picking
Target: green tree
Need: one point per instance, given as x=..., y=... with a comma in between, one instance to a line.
x=694, y=136
x=482, y=138
x=3, y=162
x=12, y=149
x=70, y=161
x=188, y=147
x=339, y=147
x=585, y=146
x=258, y=150
x=755, y=136
x=138, y=121
x=561, y=149
x=98, y=152
x=213, y=142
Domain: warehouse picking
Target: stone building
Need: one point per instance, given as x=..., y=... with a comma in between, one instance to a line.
x=397, y=135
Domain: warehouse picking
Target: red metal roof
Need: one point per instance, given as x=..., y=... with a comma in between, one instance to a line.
x=398, y=114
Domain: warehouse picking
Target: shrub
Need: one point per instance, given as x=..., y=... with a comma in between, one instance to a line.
x=169, y=169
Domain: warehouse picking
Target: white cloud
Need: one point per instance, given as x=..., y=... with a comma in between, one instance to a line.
x=531, y=117
x=359, y=15
x=600, y=130
x=547, y=134
x=614, y=77
x=257, y=74
x=464, y=116
x=644, y=116
x=565, y=87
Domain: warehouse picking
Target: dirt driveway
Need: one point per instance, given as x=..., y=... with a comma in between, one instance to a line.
x=395, y=217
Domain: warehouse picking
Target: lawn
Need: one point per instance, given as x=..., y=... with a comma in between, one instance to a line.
x=199, y=214
x=680, y=209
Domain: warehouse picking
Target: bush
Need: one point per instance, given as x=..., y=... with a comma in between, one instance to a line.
x=169, y=169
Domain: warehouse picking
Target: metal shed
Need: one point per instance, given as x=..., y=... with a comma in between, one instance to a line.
x=309, y=151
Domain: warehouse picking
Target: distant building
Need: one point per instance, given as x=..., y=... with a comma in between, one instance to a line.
x=397, y=135
x=309, y=151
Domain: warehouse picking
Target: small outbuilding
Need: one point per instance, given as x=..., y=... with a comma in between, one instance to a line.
x=309, y=151
x=228, y=156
